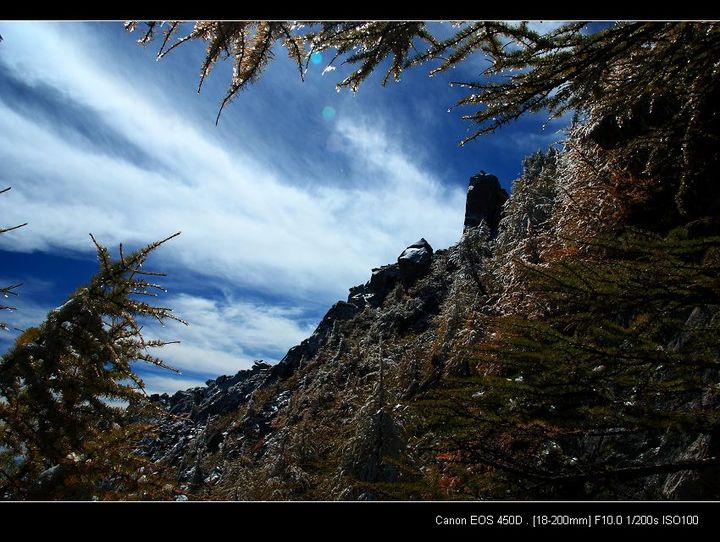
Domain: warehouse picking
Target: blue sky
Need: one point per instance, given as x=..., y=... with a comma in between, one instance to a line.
x=282, y=207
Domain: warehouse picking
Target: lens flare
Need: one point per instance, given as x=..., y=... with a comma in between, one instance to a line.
x=328, y=112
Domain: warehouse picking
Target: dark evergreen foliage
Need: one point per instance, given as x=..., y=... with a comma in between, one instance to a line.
x=63, y=427
x=623, y=355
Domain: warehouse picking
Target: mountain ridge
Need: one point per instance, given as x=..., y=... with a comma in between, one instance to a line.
x=340, y=416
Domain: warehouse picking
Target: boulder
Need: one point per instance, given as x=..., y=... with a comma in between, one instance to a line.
x=415, y=261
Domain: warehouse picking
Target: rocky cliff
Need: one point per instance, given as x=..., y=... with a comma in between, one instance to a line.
x=391, y=339
x=334, y=418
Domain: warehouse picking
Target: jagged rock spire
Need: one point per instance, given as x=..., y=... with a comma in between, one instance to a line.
x=485, y=199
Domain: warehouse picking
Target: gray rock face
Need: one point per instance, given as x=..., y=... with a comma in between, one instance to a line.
x=339, y=312
x=384, y=278
x=485, y=200
x=415, y=260
x=374, y=292
x=180, y=439
x=219, y=396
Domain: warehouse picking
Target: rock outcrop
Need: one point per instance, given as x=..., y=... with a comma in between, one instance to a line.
x=415, y=260
x=413, y=263
x=374, y=292
x=485, y=200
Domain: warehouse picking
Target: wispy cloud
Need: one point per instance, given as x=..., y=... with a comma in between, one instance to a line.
x=28, y=310
x=240, y=221
x=130, y=165
x=226, y=336
x=28, y=314
x=169, y=384
x=222, y=337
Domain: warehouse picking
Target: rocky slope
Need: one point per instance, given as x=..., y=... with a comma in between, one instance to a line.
x=334, y=418
x=393, y=337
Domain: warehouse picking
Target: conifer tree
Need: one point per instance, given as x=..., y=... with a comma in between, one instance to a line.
x=619, y=365
x=378, y=442
x=598, y=387
x=527, y=228
x=64, y=431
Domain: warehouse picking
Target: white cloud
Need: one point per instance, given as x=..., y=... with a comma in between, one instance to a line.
x=28, y=313
x=169, y=384
x=239, y=220
x=224, y=337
